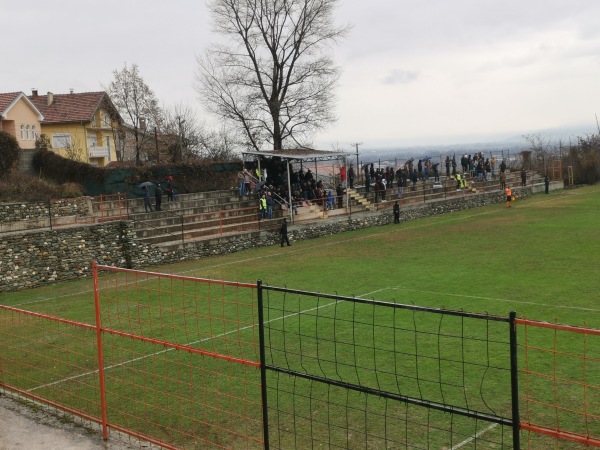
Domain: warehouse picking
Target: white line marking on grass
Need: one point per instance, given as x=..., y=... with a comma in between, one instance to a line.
x=578, y=308
x=237, y=330
x=472, y=438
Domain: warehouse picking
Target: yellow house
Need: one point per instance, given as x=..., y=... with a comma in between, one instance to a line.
x=20, y=118
x=83, y=127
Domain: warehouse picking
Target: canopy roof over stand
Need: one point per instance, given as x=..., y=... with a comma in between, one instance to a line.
x=300, y=155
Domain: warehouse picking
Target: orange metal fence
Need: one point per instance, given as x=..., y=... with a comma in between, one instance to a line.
x=175, y=361
x=171, y=360
x=561, y=389
x=112, y=207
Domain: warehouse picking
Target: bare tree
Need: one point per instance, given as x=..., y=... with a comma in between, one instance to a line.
x=223, y=144
x=274, y=77
x=181, y=129
x=541, y=149
x=136, y=103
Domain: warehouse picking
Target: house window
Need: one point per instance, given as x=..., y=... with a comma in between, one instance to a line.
x=106, y=121
x=23, y=132
x=61, y=140
x=28, y=132
x=33, y=133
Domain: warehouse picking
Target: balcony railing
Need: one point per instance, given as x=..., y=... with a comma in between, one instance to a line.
x=99, y=152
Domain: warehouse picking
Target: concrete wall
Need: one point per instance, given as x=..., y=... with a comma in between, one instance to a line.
x=37, y=258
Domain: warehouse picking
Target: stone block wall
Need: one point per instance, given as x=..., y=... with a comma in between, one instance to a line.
x=11, y=212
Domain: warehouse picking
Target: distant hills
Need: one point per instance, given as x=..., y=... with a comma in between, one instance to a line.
x=503, y=145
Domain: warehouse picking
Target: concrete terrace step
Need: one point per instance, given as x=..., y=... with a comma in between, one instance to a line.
x=167, y=242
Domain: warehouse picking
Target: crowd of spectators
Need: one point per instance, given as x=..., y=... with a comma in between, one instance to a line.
x=270, y=181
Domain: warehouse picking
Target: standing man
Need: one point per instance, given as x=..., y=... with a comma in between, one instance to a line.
x=523, y=177
x=547, y=184
x=170, y=193
x=508, y=197
x=502, y=167
x=339, y=192
x=158, y=197
x=343, y=176
x=247, y=182
x=351, y=176
x=502, y=180
x=396, y=212
x=147, y=205
x=283, y=232
x=240, y=180
x=262, y=206
x=400, y=182
x=436, y=173
x=269, y=205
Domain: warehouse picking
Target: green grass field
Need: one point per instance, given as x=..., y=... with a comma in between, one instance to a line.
x=540, y=258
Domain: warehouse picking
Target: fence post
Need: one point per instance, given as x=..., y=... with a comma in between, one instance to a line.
x=263, y=369
x=182, y=234
x=100, y=354
x=221, y=222
x=514, y=382
x=101, y=208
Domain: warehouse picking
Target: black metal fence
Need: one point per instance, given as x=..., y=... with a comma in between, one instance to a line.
x=344, y=372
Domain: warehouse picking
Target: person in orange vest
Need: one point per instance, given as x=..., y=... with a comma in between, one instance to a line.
x=508, y=196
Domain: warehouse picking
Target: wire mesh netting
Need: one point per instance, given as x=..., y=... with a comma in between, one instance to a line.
x=367, y=374
x=560, y=388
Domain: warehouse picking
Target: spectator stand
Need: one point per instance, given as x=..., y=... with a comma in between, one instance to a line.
x=282, y=167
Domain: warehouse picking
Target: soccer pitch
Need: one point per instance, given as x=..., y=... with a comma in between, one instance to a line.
x=539, y=258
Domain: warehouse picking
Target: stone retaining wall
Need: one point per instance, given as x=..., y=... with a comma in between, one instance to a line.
x=11, y=212
x=33, y=259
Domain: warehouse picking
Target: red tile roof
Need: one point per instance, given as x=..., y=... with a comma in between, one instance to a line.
x=7, y=99
x=78, y=107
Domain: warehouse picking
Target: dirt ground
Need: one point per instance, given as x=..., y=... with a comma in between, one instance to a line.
x=24, y=427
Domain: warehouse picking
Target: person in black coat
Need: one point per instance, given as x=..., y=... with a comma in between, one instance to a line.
x=396, y=212
x=158, y=196
x=283, y=233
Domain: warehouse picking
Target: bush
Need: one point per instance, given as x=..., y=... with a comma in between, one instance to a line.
x=64, y=170
x=10, y=152
x=18, y=187
x=71, y=190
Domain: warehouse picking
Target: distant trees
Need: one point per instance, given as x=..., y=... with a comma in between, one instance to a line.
x=582, y=156
x=137, y=104
x=274, y=78
x=10, y=153
x=585, y=159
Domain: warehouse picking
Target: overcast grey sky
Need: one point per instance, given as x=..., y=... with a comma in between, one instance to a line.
x=414, y=71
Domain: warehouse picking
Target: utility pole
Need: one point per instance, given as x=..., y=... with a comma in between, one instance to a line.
x=179, y=154
x=358, y=171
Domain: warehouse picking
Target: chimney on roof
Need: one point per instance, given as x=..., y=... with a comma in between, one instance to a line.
x=34, y=92
x=50, y=98
x=71, y=90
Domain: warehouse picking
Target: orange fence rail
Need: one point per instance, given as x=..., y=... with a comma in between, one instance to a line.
x=561, y=390
x=171, y=360
x=176, y=361
x=107, y=205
